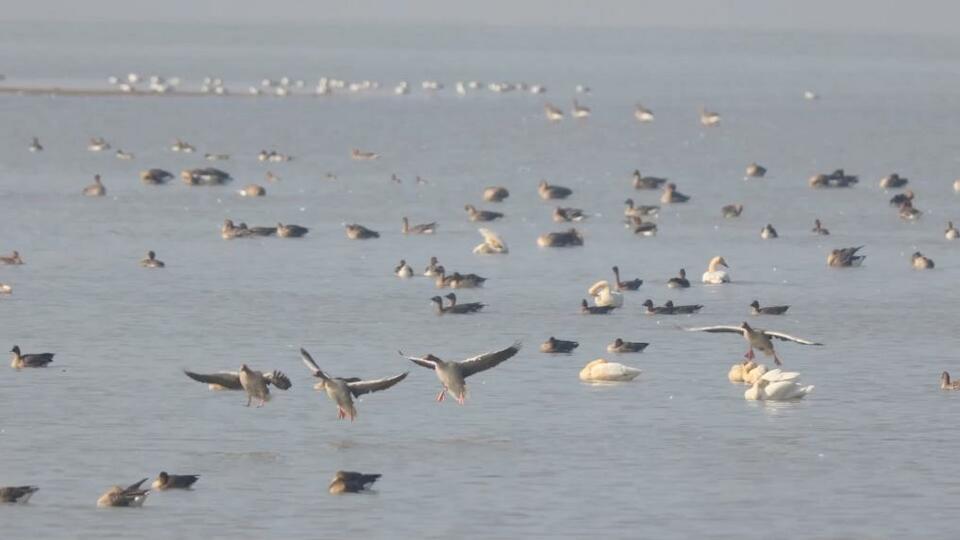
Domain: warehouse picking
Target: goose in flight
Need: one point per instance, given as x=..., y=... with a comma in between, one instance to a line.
x=757, y=338
x=453, y=374
x=342, y=391
x=230, y=380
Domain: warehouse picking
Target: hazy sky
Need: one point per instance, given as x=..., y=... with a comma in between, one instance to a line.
x=921, y=16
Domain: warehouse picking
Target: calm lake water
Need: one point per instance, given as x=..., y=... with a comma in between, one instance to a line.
x=678, y=453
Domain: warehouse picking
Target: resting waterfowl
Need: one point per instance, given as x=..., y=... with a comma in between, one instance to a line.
x=230, y=380
x=620, y=346
x=900, y=198
x=951, y=233
x=17, y=494
x=34, y=360
x=947, y=384
x=682, y=309
x=753, y=374
x=755, y=309
x=633, y=210
x=920, y=262
x=641, y=227
x=35, y=145
x=650, y=309
x=630, y=285
x=166, y=481
x=756, y=171
x=907, y=212
x=481, y=215
x=13, y=258
x=182, y=146
x=646, y=182
x=351, y=482
x=253, y=190
x=423, y=228
x=431, y=270
x=495, y=193
x=732, y=210
x=818, y=228
x=893, y=181
x=355, y=231
x=454, y=308
x=291, y=231
x=552, y=113
x=457, y=280
x=579, y=111
x=768, y=232
x=680, y=281
x=98, y=144
x=359, y=155
x=709, y=118
x=96, y=189
x=155, y=177
x=453, y=374
x=205, y=176
x=738, y=371
x=557, y=346
x=604, y=295
x=756, y=338
x=602, y=371
x=776, y=390
x=5, y=288
x=671, y=195
x=956, y=185
x=845, y=257
x=120, y=154
x=713, y=275
x=548, y=191
x=342, y=391
x=587, y=309
x=568, y=238
x=403, y=269
x=151, y=261
x=492, y=244
x=124, y=497
x=561, y=214
x=642, y=114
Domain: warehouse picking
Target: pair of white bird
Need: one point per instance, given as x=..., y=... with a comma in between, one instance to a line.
x=777, y=385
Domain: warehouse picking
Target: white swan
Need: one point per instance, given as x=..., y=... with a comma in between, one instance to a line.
x=754, y=374
x=714, y=276
x=764, y=390
x=492, y=243
x=604, y=295
x=738, y=372
x=600, y=370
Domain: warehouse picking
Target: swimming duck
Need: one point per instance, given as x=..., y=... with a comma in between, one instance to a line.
x=432, y=268
x=580, y=111
x=602, y=371
x=568, y=238
x=755, y=309
x=291, y=231
x=845, y=257
x=713, y=275
x=556, y=346
x=646, y=182
x=893, y=181
x=492, y=243
x=351, y=482
x=205, y=176
x=671, y=195
x=155, y=176
x=253, y=190
x=633, y=210
x=561, y=214
x=35, y=145
x=35, y=360
x=732, y=210
x=13, y=258
x=621, y=346
x=920, y=262
x=900, y=198
x=756, y=338
x=17, y=494
x=358, y=155
x=454, y=307
x=97, y=144
x=553, y=192
x=908, y=213
x=650, y=309
x=151, y=261
x=481, y=215
x=768, y=232
x=216, y=157
x=708, y=118
x=453, y=374
x=5, y=288
x=630, y=285
x=230, y=380
x=457, y=280
x=818, y=228
x=552, y=113
x=756, y=171
x=738, y=371
x=424, y=228
x=947, y=384
x=604, y=295
x=96, y=189
x=356, y=231
x=166, y=481
x=641, y=227
x=682, y=309
x=495, y=194
x=642, y=114
x=403, y=269
x=130, y=496
x=839, y=178
x=777, y=390
x=181, y=146
x=587, y=309
x=126, y=156
x=680, y=281
x=342, y=391
x=951, y=233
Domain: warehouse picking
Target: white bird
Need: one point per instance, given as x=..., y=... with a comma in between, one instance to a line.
x=738, y=372
x=715, y=276
x=604, y=295
x=708, y=118
x=602, y=371
x=642, y=114
x=580, y=111
x=492, y=243
x=777, y=386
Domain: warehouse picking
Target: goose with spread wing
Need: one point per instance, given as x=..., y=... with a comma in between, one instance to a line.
x=230, y=380
x=342, y=391
x=757, y=338
x=453, y=374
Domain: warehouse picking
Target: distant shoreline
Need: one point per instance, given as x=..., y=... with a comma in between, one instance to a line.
x=99, y=92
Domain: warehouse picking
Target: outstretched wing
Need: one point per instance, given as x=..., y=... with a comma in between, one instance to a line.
x=225, y=379
x=134, y=487
x=358, y=388
x=717, y=329
x=788, y=337
x=311, y=365
x=278, y=379
x=488, y=360
x=429, y=364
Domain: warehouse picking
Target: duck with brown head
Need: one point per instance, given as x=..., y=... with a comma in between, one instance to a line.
x=34, y=360
x=151, y=261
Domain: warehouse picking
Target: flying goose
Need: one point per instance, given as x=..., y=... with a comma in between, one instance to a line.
x=230, y=380
x=757, y=338
x=17, y=494
x=492, y=243
x=755, y=309
x=621, y=346
x=453, y=374
x=621, y=285
x=554, y=345
x=481, y=215
x=35, y=360
x=342, y=391
x=130, y=496
x=166, y=481
x=351, y=482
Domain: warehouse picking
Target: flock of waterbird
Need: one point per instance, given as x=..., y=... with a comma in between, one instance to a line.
x=607, y=296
